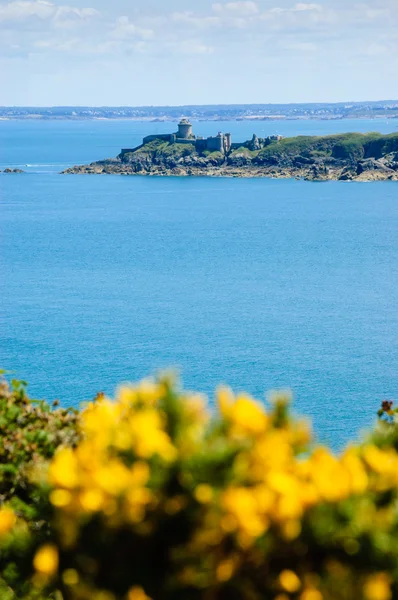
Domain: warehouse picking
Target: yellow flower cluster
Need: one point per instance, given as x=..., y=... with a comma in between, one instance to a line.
x=238, y=477
x=112, y=460
x=276, y=487
x=109, y=471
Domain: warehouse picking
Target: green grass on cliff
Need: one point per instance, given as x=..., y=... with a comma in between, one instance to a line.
x=178, y=150
x=242, y=150
x=160, y=148
x=344, y=146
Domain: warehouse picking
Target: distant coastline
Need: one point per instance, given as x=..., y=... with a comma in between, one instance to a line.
x=342, y=157
x=256, y=119
x=219, y=112
x=253, y=118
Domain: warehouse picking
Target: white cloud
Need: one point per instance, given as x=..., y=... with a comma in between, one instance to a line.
x=245, y=15
x=191, y=19
x=19, y=10
x=231, y=15
x=241, y=8
x=250, y=37
x=300, y=7
x=124, y=29
x=22, y=10
x=191, y=47
x=82, y=13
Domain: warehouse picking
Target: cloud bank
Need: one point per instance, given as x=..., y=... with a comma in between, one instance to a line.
x=152, y=52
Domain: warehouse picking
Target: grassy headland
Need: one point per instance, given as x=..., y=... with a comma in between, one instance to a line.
x=348, y=156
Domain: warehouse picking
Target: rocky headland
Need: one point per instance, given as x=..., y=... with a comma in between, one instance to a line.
x=343, y=157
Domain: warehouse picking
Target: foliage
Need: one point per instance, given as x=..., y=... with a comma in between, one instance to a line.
x=212, y=154
x=245, y=151
x=382, y=145
x=150, y=147
x=346, y=146
x=178, y=150
x=163, y=499
x=386, y=433
x=30, y=432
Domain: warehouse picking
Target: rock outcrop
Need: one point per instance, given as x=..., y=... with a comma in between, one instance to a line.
x=346, y=157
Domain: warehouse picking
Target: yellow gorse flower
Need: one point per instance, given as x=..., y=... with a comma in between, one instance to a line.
x=245, y=415
x=311, y=594
x=289, y=581
x=70, y=577
x=46, y=560
x=377, y=587
x=63, y=470
x=7, y=521
x=137, y=593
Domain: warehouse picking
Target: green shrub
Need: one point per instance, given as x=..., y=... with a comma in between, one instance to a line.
x=158, y=497
x=30, y=433
x=176, y=150
x=382, y=145
x=347, y=146
x=352, y=146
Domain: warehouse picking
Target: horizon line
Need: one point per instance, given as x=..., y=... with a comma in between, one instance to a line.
x=236, y=104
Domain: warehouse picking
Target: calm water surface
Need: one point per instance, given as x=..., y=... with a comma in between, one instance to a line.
x=258, y=283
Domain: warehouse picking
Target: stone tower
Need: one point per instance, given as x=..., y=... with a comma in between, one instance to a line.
x=228, y=142
x=184, y=129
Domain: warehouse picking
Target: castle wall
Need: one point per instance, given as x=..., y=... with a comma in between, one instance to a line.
x=220, y=143
x=201, y=145
x=215, y=144
x=183, y=141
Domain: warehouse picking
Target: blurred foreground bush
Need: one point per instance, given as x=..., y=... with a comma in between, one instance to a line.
x=30, y=432
x=162, y=499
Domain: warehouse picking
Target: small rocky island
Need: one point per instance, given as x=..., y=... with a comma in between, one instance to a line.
x=343, y=157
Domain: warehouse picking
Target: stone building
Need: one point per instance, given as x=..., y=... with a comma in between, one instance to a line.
x=185, y=130
x=222, y=142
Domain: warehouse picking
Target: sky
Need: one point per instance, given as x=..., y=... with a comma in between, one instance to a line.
x=174, y=52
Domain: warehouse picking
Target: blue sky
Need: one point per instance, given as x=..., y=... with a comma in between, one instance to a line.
x=153, y=52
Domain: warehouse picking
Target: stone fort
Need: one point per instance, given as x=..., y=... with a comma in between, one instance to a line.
x=222, y=142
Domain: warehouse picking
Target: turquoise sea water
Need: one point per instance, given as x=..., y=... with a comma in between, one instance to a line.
x=258, y=283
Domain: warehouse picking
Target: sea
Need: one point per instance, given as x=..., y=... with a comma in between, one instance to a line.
x=257, y=283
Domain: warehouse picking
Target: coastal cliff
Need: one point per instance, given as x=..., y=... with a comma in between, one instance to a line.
x=343, y=157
